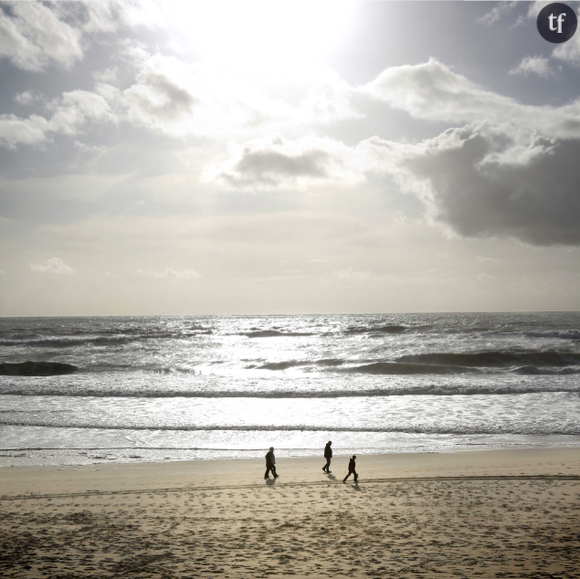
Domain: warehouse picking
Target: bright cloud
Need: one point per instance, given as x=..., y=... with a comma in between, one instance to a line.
x=182, y=99
x=432, y=91
x=537, y=65
x=69, y=114
x=32, y=36
x=569, y=51
x=170, y=274
x=52, y=265
x=497, y=12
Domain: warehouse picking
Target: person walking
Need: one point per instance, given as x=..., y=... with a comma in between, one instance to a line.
x=327, y=456
x=351, y=470
x=270, y=463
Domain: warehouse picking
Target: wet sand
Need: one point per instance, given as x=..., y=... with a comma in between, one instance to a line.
x=469, y=514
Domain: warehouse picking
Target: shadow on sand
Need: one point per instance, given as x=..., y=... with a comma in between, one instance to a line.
x=355, y=486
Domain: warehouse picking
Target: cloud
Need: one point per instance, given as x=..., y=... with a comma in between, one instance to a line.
x=355, y=276
x=537, y=65
x=170, y=274
x=484, y=181
x=52, y=265
x=432, y=91
x=494, y=177
x=180, y=99
x=77, y=107
x=113, y=15
x=27, y=97
x=69, y=114
x=569, y=51
x=107, y=75
x=329, y=98
x=206, y=100
x=351, y=275
x=32, y=36
x=487, y=260
x=30, y=131
x=277, y=162
x=498, y=12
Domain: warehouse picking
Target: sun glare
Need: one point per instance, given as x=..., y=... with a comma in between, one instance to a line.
x=264, y=37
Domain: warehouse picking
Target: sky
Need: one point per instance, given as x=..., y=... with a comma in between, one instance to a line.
x=228, y=157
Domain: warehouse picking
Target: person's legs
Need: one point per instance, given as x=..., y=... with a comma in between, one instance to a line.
x=274, y=472
x=268, y=469
x=344, y=479
x=355, y=476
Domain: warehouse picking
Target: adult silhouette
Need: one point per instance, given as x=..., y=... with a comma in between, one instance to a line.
x=270, y=463
x=327, y=456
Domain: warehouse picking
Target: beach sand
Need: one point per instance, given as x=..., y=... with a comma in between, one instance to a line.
x=466, y=514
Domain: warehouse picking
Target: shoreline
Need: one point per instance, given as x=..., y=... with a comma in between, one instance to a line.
x=554, y=462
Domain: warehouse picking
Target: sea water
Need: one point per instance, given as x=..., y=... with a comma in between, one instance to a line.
x=207, y=387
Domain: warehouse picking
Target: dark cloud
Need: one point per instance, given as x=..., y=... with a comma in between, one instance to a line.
x=487, y=184
x=166, y=98
x=279, y=162
x=265, y=165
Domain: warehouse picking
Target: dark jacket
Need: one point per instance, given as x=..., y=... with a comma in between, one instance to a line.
x=327, y=451
x=351, y=465
x=270, y=460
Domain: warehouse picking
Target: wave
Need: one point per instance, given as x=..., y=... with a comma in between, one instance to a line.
x=431, y=390
x=36, y=369
x=496, y=359
x=388, y=329
x=327, y=362
x=174, y=370
x=67, y=342
x=395, y=368
x=281, y=365
x=561, y=334
x=274, y=334
x=330, y=362
x=402, y=369
x=73, y=341
x=473, y=429
x=535, y=370
x=21, y=337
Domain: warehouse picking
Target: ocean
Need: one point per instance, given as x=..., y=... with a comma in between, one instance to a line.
x=157, y=388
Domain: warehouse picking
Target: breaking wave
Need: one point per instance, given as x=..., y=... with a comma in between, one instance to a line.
x=395, y=368
x=562, y=335
x=496, y=359
x=328, y=362
x=535, y=429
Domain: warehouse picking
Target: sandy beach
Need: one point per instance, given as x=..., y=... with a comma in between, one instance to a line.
x=467, y=514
